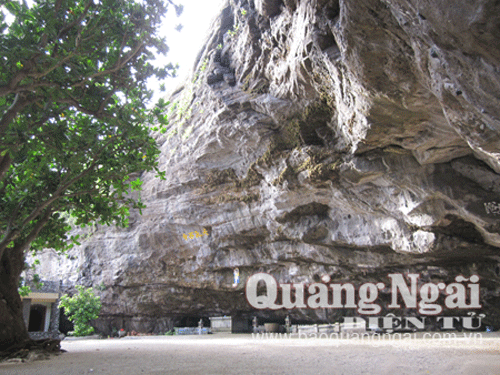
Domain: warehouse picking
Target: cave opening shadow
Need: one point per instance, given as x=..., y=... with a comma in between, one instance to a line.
x=37, y=318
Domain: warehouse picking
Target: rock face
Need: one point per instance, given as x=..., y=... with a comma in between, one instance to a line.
x=349, y=138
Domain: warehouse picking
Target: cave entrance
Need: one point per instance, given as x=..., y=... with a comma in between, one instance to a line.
x=193, y=321
x=37, y=318
x=314, y=128
x=65, y=325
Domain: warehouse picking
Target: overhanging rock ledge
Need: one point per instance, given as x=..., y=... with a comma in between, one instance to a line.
x=349, y=138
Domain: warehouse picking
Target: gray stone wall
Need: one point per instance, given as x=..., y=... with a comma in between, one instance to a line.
x=53, y=331
x=46, y=287
x=54, y=317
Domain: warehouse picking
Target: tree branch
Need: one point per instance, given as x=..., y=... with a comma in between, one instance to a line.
x=57, y=6
x=6, y=90
x=75, y=103
x=105, y=101
x=10, y=236
x=16, y=107
x=80, y=193
x=33, y=234
x=68, y=27
x=118, y=65
x=52, y=68
x=5, y=163
x=38, y=227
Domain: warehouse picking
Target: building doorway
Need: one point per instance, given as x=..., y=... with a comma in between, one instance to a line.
x=37, y=318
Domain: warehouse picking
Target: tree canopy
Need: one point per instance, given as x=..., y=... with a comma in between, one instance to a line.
x=74, y=115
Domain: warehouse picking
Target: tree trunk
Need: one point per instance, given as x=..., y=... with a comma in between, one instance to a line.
x=13, y=331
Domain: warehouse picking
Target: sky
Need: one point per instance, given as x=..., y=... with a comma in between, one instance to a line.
x=185, y=45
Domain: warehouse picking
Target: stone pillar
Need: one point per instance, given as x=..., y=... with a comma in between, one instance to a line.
x=26, y=311
x=46, y=327
x=54, y=317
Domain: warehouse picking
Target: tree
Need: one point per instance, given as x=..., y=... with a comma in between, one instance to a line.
x=81, y=309
x=74, y=133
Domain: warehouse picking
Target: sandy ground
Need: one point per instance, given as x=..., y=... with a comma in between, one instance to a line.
x=243, y=354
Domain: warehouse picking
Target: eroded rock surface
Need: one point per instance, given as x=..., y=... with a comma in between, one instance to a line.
x=352, y=138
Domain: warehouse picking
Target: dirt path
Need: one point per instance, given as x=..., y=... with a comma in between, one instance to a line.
x=241, y=354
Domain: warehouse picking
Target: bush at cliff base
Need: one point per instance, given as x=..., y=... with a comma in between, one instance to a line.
x=81, y=309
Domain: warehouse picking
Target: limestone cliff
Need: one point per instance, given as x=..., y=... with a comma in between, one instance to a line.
x=351, y=138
